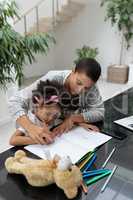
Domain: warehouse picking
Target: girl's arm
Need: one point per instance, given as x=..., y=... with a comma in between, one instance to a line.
x=19, y=105
x=19, y=139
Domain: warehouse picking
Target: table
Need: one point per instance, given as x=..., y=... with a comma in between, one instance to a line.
x=120, y=186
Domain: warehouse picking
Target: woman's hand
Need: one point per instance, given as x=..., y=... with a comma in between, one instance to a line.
x=41, y=135
x=89, y=127
x=64, y=127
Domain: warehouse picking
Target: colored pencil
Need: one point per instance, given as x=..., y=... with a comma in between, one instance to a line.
x=94, y=173
x=90, y=163
x=108, y=179
x=97, y=178
x=84, y=157
x=108, y=158
x=83, y=164
x=95, y=170
x=84, y=187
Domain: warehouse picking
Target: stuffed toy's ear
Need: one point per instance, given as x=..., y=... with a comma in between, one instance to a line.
x=56, y=160
x=64, y=163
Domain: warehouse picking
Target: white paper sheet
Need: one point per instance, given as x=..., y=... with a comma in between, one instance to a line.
x=126, y=122
x=76, y=143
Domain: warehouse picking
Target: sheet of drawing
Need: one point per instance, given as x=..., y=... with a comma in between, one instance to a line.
x=76, y=143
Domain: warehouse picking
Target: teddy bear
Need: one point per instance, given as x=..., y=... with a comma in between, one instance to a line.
x=43, y=172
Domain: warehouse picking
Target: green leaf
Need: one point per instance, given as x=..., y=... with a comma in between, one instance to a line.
x=86, y=52
x=15, y=49
x=120, y=12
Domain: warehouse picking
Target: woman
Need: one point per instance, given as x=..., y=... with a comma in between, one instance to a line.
x=81, y=81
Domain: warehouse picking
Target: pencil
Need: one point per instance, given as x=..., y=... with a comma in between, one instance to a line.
x=86, y=155
x=90, y=163
x=84, y=187
x=83, y=158
x=97, y=178
x=108, y=158
x=85, y=162
x=95, y=173
x=109, y=178
x=95, y=170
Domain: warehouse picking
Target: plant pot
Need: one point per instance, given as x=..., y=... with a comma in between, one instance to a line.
x=118, y=73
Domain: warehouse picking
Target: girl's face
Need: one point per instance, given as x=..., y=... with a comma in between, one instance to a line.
x=48, y=113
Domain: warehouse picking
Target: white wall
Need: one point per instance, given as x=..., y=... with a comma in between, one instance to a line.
x=4, y=113
x=45, y=9
x=128, y=55
x=88, y=28
x=42, y=65
x=25, y=5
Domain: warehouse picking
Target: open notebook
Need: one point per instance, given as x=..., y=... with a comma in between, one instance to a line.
x=76, y=143
x=126, y=122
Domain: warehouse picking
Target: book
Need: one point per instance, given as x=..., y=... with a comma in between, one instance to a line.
x=126, y=122
x=76, y=143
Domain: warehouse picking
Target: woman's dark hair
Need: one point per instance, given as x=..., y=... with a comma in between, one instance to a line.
x=90, y=67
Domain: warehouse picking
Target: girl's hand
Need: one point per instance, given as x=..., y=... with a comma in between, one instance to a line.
x=89, y=127
x=41, y=135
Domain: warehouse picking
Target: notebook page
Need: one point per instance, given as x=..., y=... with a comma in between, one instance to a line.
x=76, y=143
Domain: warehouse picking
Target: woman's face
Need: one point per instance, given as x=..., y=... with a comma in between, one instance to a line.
x=48, y=113
x=79, y=82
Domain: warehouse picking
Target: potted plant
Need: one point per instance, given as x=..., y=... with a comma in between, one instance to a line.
x=86, y=52
x=120, y=13
x=15, y=49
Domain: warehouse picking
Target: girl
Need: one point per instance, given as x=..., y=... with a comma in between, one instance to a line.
x=46, y=108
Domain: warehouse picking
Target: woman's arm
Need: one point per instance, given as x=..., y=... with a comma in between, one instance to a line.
x=89, y=127
x=93, y=111
x=93, y=106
